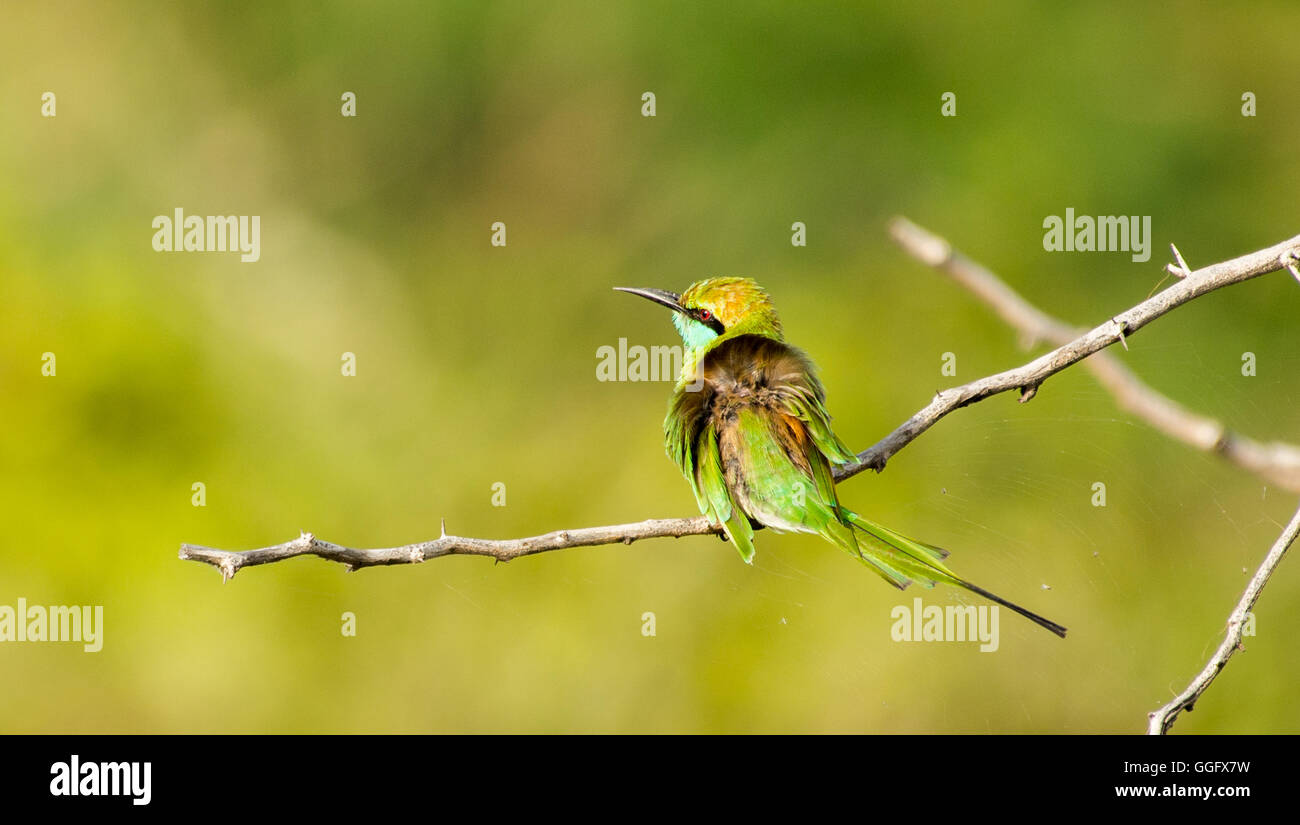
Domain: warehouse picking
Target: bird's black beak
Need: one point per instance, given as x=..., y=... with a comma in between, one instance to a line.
x=660, y=296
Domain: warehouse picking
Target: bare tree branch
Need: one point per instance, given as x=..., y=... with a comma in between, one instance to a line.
x=1027, y=379
x=1277, y=463
x=1162, y=720
x=229, y=563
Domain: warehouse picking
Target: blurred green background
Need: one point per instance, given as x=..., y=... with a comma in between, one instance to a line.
x=477, y=365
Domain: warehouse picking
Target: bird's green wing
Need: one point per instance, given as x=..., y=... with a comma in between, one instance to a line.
x=898, y=559
x=682, y=428
x=711, y=487
x=787, y=477
x=792, y=376
x=693, y=447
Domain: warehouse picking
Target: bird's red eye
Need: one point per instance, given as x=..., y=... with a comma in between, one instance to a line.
x=705, y=315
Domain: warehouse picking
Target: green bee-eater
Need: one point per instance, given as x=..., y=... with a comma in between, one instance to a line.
x=747, y=425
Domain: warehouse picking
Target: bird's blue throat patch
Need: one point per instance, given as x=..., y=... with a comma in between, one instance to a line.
x=694, y=334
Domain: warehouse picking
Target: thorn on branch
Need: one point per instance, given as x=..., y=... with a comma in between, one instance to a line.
x=1289, y=261
x=1182, y=270
x=876, y=462
x=1027, y=393
x=1120, y=327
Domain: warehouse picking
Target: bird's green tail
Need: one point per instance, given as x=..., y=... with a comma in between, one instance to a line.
x=901, y=561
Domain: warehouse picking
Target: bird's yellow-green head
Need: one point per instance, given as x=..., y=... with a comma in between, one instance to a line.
x=714, y=309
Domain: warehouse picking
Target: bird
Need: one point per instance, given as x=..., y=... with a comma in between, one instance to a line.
x=747, y=426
